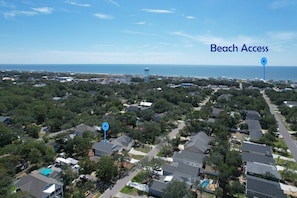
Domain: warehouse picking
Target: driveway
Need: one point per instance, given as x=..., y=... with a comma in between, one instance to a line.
x=282, y=129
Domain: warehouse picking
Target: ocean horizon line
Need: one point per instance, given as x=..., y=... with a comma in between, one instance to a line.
x=199, y=71
x=140, y=64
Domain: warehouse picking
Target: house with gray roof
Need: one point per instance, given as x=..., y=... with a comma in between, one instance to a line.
x=290, y=104
x=262, y=170
x=252, y=115
x=251, y=157
x=259, y=149
x=105, y=148
x=226, y=97
x=185, y=172
x=262, y=188
x=157, y=186
x=254, y=128
x=124, y=141
x=82, y=128
x=40, y=186
x=5, y=119
x=189, y=158
x=198, y=143
x=215, y=112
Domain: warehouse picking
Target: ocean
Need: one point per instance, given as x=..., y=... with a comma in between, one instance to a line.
x=235, y=72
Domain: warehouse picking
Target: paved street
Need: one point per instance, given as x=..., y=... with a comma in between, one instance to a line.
x=283, y=131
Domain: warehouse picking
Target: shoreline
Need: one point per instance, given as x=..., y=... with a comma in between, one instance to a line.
x=273, y=73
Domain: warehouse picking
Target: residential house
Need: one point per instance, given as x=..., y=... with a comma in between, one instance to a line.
x=198, y=143
x=146, y=104
x=189, y=158
x=40, y=186
x=251, y=157
x=254, y=128
x=187, y=173
x=157, y=187
x=262, y=170
x=215, y=112
x=105, y=148
x=253, y=152
x=252, y=115
x=259, y=149
x=226, y=97
x=262, y=188
x=124, y=141
x=82, y=128
x=133, y=108
x=290, y=104
x=5, y=120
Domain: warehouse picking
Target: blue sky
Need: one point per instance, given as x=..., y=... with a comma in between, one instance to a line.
x=147, y=31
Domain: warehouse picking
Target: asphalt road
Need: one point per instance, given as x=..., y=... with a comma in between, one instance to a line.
x=283, y=131
x=122, y=182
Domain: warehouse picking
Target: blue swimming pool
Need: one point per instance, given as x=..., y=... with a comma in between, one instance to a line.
x=45, y=171
x=204, y=183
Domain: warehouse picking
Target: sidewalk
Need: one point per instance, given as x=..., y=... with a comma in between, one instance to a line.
x=275, y=156
x=122, y=195
x=135, y=152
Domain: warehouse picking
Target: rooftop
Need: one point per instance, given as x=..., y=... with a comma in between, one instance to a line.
x=265, y=187
x=262, y=169
x=260, y=149
x=251, y=157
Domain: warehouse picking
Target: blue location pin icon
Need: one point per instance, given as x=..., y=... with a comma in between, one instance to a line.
x=105, y=127
x=263, y=62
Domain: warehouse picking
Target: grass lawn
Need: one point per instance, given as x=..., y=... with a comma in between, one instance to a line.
x=287, y=164
x=281, y=144
x=129, y=190
x=145, y=149
x=132, y=191
x=138, y=157
x=160, y=154
x=140, y=177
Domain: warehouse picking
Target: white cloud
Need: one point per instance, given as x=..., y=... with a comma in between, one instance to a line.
x=278, y=4
x=140, y=23
x=190, y=17
x=14, y=13
x=158, y=11
x=43, y=10
x=283, y=36
x=208, y=39
x=103, y=16
x=114, y=3
x=78, y=4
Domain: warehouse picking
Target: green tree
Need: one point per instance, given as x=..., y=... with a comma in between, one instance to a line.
x=106, y=170
x=6, y=135
x=33, y=130
x=236, y=188
x=175, y=189
x=86, y=166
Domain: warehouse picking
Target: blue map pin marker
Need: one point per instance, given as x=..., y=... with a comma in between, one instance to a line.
x=105, y=127
x=263, y=62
